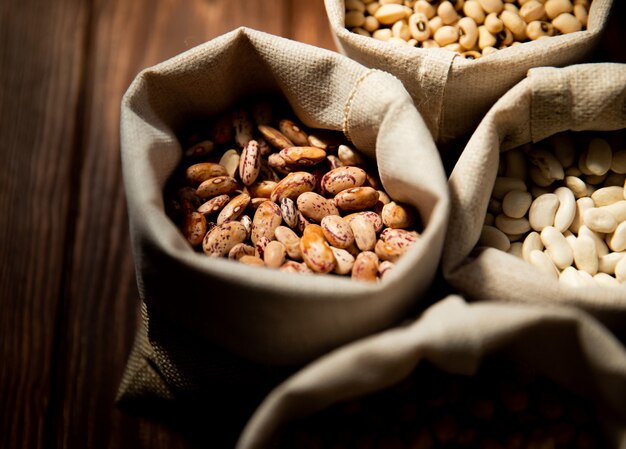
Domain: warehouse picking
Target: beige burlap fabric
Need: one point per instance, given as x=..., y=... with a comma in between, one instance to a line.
x=457, y=337
x=259, y=315
x=550, y=100
x=452, y=93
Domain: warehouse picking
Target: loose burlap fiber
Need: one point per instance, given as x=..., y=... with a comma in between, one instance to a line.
x=563, y=344
x=550, y=100
x=251, y=315
x=452, y=93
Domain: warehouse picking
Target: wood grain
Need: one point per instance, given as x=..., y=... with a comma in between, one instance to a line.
x=41, y=68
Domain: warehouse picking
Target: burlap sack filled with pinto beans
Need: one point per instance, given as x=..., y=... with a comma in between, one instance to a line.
x=197, y=307
x=451, y=92
x=568, y=347
x=586, y=97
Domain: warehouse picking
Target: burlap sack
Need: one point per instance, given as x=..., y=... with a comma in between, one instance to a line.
x=453, y=93
x=249, y=314
x=563, y=344
x=550, y=100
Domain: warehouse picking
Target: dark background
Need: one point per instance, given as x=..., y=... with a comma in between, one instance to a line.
x=68, y=299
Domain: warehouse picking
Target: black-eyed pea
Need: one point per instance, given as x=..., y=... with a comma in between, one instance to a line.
x=412, y=42
x=516, y=203
x=220, y=240
x=240, y=250
x=585, y=254
x=542, y=211
x=493, y=23
x=355, y=5
x=361, y=31
x=435, y=23
x=315, y=207
x=554, y=8
x=557, y=247
x=400, y=29
x=599, y=220
x=512, y=7
x=337, y=231
x=424, y=7
x=532, y=10
x=390, y=2
x=364, y=233
x=430, y=43
x=371, y=24
x=243, y=127
x=356, y=198
x=468, y=33
x=515, y=24
x=384, y=268
x=446, y=35
x=233, y=209
x=200, y=149
x=275, y=253
x=252, y=260
x=608, y=262
x=290, y=240
x=354, y=19
x=472, y=9
x=455, y=47
x=485, y=38
x=214, y=205
x=194, y=228
x=419, y=27
x=196, y=174
x=316, y=251
x=344, y=260
x=606, y=196
x=266, y=219
x=372, y=7
x=365, y=267
x=220, y=185
x=390, y=13
x=490, y=6
x=447, y=12
x=566, y=212
x=488, y=51
x=542, y=261
x=504, y=38
x=566, y=23
x=397, y=41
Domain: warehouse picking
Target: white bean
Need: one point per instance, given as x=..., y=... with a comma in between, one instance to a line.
x=585, y=255
x=599, y=156
x=542, y=261
x=605, y=280
x=607, y=263
x=512, y=226
x=618, y=210
x=601, y=248
x=620, y=270
x=617, y=239
x=542, y=211
x=557, y=247
x=516, y=249
x=516, y=203
x=532, y=242
x=570, y=276
x=607, y=195
x=494, y=238
x=582, y=205
x=600, y=220
x=567, y=209
x=576, y=185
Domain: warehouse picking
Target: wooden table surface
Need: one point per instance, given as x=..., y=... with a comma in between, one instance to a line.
x=68, y=299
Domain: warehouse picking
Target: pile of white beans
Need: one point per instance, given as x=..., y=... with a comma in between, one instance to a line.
x=560, y=205
x=472, y=28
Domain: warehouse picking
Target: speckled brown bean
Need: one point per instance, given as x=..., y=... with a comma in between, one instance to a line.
x=295, y=267
x=240, y=250
x=194, y=228
x=198, y=173
x=220, y=240
x=260, y=245
x=274, y=137
x=250, y=163
x=333, y=161
x=262, y=189
x=302, y=156
x=303, y=222
x=373, y=217
x=278, y=164
x=357, y=198
x=246, y=221
x=316, y=252
x=214, y=205
x=364, y=233
x=349, y=156
x=219, y=185
x=243, y=127
x=397, y=215
x=315, y=207
x=234, y=208
x=252, y=260
x=384, y=268
x=337, y=231
x=289, y=212
x=290, y=240
x=275, y=253
x=344, y=260
x=293, y=185
x=394, y=242
x=199, y=150
x=293, y=132
x=188, y=199
x=230, y=161
x=343, y=178
x=365, y=267
x=266, y=219
x=222, y=130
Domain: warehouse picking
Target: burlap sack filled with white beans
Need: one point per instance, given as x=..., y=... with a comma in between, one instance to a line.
x=194, y=303
x=582, y=97
x=453, y=93
x=457, y=337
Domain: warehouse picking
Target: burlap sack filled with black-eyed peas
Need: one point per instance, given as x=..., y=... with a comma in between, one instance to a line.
x=197, y=307
x=451, y=92
x=564, y=345
x=584, y=97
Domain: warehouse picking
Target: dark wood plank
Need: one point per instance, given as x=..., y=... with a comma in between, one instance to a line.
x=100, y=319
x=41, y=59
x=308, y=23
